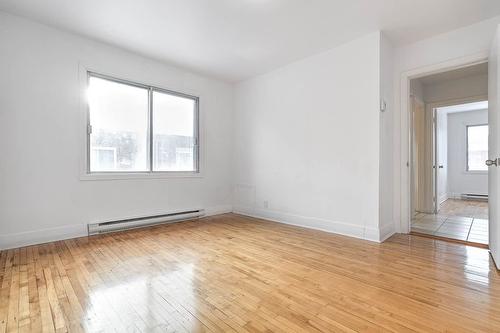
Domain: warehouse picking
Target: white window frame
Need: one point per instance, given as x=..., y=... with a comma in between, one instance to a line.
x=467, y=170
x=86, y=174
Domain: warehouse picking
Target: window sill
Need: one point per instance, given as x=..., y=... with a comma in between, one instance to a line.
x=139, y=175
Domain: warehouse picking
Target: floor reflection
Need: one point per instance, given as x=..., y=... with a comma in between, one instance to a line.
x=143, y=302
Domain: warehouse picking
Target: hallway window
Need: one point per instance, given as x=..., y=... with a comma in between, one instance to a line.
x=477, y=147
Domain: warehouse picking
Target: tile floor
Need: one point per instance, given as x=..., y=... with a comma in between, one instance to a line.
x=464, y=220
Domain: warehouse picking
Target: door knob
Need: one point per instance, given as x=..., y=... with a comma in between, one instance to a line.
x=440, y=167
x=492, y=162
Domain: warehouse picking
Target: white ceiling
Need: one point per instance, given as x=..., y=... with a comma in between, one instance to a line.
x=237, y=39
x=479, y=69
x=465, y=107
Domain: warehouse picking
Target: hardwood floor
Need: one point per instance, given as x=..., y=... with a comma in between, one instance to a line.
x=233, y=273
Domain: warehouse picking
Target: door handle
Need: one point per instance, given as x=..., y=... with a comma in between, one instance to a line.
x=492, y=162
x=440, y=167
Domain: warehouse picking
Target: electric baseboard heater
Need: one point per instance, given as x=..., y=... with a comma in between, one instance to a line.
x=144, y=221
x=471, y=196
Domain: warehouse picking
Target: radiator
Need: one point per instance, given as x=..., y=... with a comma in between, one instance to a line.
x=143, y=221
x=471, y=196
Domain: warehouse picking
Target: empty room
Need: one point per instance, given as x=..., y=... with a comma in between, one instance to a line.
x=249, y=166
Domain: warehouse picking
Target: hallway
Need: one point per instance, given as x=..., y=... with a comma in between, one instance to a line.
x=464, y=220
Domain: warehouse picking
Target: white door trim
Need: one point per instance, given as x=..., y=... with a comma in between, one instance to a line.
x=406, y=125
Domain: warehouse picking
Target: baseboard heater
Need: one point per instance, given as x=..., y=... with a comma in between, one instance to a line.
x=144, y=221
x=471, y=196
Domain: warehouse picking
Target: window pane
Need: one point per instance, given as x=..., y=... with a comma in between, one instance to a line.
x=173, y=133
x=477, y=147
x=119, y=119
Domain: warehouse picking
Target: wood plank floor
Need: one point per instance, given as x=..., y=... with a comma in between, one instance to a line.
x=233, y=273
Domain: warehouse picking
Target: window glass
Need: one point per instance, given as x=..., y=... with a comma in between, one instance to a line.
x=119, y=120
x=173, y=132
x=477, y=147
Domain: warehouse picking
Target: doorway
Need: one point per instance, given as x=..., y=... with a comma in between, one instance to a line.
x=449, y=147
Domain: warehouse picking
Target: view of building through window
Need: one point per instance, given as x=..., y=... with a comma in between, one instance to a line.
x=173, y=140
x=124, y=128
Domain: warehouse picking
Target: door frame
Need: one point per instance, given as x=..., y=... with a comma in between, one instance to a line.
x=432, y=107
x=406, y=125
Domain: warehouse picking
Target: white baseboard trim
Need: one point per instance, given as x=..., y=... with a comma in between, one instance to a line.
x=15, y=240
x=341, y=228
x=10, y=241
x=218, y=210
x=495, y=261
x=387, y=231
x=443, y=198
x=454, y=196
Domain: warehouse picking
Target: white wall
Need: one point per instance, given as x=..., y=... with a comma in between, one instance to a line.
x=459, y=180
x=386, y=225
x=465, y=42
x=41, y=126
x=307, y=141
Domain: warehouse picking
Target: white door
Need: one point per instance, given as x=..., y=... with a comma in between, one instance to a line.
x=494, y=145
x=434, y=167
x=441, y=157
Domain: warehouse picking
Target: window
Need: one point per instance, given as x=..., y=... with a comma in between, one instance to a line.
x=173, y=140
x=135, y=128
x=477, y=147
